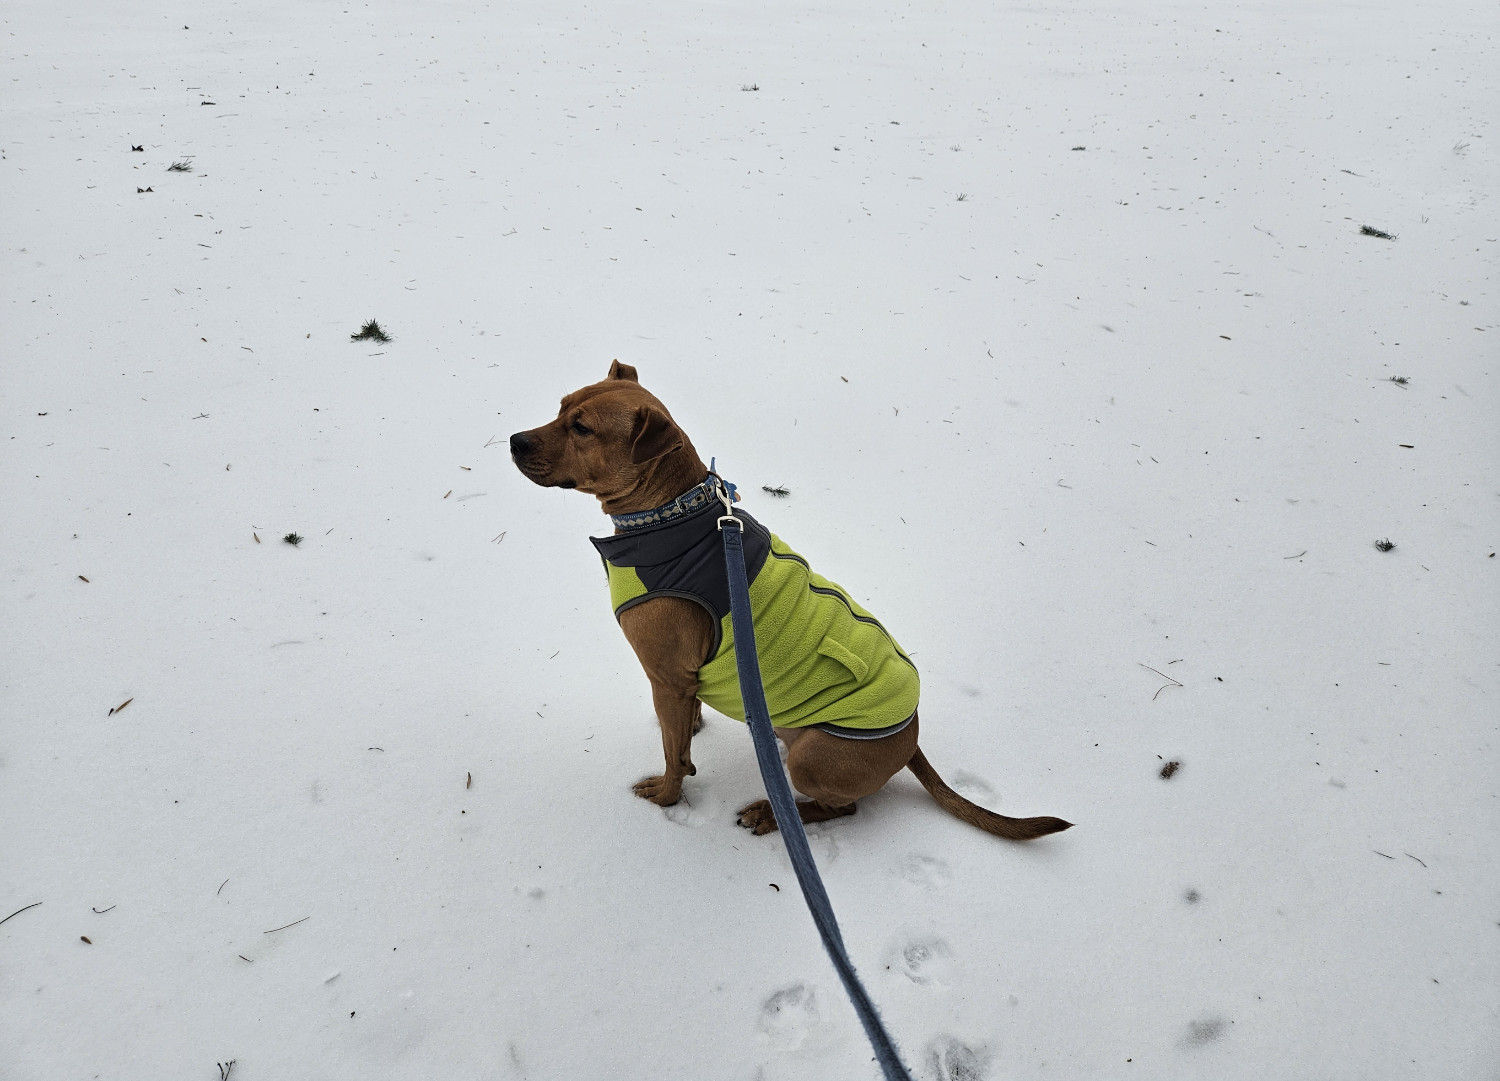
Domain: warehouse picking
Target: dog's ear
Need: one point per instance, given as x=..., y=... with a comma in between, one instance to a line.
x=654, y=435
x=622, y=371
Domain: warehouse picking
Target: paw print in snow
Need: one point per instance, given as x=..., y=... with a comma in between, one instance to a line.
x=925, y=961
x=948, y=1059
x=790, y=1016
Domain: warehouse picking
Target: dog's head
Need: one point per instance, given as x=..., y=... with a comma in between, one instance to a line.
x=612, y=439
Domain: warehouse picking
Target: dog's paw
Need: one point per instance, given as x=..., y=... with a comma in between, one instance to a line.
x=662, y=791
x=758, y=817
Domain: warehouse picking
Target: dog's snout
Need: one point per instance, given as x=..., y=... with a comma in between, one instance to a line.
x=520, y=445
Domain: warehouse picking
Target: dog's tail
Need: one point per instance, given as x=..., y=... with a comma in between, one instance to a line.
x=1012, y=829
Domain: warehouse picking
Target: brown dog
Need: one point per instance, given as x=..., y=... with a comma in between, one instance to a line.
x=616, y=441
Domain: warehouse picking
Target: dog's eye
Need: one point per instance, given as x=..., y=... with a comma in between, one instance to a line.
x=581, y=428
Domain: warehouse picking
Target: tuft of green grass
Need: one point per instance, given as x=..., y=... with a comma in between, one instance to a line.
x=180, y=167
x=370, y=332
x=293, y=539
x=1370, y=230
x=1400, y=380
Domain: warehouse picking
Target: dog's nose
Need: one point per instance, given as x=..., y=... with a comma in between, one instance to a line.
x=520, y=445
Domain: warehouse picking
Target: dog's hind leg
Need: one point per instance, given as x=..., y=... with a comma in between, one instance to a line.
x=834, y=772
x=759, y=819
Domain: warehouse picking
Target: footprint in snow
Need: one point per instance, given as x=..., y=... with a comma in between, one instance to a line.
x=790, y=1016
x=683, y=814
x=929, y=872
x=948, y=1059
x=973, y=785
x=822, y=838
x=924, y=960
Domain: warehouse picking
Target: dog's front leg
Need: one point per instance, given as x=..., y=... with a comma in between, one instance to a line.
x=671, y=638
x=678, y=718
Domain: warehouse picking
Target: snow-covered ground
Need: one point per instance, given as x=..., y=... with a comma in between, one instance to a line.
x=1059, y=325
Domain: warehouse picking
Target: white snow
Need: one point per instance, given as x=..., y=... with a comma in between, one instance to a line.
x=1058, y=323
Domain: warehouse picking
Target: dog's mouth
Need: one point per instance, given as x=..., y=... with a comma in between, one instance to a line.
x=537, y=474
x=529, y=469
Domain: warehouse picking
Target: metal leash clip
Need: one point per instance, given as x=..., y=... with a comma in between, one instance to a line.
x=727, y=498
x=727, y=495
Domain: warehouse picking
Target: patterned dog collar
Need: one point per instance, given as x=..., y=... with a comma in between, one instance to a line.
x=693, y=499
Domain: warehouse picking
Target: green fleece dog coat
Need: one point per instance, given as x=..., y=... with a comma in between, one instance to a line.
x=823, y=658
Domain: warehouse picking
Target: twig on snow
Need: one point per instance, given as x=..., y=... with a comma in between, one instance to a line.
x=18, y=911
x=1170, y=681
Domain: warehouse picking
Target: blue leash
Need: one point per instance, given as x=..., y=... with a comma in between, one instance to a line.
x=758, y=717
